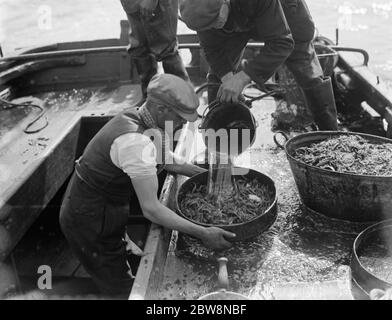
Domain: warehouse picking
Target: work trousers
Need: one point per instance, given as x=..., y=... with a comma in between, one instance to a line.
x=155, y=35
x=94, y=228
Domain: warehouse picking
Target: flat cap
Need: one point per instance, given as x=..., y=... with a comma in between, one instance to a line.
x=175, y=93
x=200, y=15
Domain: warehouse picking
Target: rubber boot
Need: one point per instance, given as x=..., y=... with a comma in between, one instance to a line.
x=321, y=102
x=173, y=64
x=146, y=67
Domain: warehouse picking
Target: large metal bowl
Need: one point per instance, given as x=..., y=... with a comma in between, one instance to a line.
x=363, y=281
x=346, y=196
x=245, y=230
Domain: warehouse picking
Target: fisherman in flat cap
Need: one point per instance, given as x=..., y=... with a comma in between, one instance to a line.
x=224, y=28
x=122, y=162
x=152, y=38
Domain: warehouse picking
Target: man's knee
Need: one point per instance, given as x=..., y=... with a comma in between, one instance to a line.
x=304, y=65
x=164, y=49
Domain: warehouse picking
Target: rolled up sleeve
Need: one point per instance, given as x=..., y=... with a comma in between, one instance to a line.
x=135, y=154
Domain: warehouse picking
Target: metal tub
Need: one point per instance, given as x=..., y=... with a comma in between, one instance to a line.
x=245, y=230
x=352, y=197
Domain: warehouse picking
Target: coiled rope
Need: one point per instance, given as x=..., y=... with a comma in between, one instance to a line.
x=7, y=105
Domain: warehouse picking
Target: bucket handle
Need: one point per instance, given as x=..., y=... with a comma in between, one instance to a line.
x=211, y=105
x=277, y=91
x=284, y=135
x=246, y=102
x=223, y=277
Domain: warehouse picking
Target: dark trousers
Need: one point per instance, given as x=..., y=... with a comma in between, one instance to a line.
x=153, y=39
x=302, y=62
x=94, y=228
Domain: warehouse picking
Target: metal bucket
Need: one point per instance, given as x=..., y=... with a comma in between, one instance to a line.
x=346, y=196
x=221, y=118
x=223, y=281
x=245, y=230
x=363, y=281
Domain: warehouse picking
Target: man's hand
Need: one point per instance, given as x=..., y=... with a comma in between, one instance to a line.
x=215, y=238
x=232, y=87
x=147, y=7
x=146, y=189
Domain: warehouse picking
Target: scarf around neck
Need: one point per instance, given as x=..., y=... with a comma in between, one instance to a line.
x=160, y=139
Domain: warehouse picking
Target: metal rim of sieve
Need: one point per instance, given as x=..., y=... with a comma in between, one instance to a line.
x=362, y=279
x=269, y=211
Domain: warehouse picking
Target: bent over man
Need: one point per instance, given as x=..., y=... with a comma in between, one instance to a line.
x=225, y=27
x=119, y=163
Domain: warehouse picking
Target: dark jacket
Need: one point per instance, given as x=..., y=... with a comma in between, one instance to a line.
x=260, y=20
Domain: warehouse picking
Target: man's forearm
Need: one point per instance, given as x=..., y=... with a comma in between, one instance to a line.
x=167, y=218
x=180, y=166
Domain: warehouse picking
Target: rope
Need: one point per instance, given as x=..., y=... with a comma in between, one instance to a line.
x=7, y=105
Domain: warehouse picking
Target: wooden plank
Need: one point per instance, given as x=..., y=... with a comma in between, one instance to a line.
x=34, y=66
x=23, y=199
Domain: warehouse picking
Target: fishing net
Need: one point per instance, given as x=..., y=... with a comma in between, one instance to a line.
x=349, y=154
x=248, y=200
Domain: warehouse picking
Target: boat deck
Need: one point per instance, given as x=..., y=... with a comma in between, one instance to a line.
x=302, y=256
x=34, y=171
x=26, y=160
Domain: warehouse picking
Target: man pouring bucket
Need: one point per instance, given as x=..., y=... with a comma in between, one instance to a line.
x=120, y=164
x=224, y=28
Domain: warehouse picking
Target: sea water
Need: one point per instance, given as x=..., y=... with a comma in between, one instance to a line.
x=24, y=23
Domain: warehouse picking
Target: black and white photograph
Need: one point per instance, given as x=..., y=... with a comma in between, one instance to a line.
x=178, y=151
